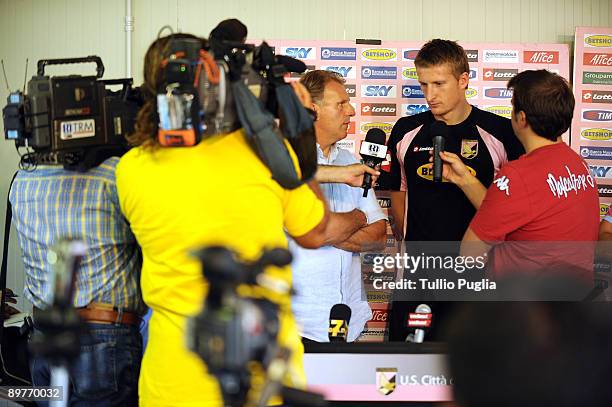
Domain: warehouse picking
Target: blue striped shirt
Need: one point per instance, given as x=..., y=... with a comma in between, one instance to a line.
x=50, y=203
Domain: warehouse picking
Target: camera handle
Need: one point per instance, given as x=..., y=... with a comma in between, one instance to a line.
x=62, y=61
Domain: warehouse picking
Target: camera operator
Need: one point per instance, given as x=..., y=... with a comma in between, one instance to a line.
x=179, y=199
x=48, y=203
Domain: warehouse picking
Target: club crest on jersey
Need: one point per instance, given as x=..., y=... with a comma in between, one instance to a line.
x=469, y=149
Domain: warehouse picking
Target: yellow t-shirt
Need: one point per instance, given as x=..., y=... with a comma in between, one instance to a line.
x=178, y=200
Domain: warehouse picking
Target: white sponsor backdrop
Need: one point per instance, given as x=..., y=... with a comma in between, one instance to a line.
x=383, y=86
x=592, y=125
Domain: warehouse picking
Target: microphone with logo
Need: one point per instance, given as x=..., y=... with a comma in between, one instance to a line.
x=439, y=133
x=373, y=151
x=419, y=319
x=339, y=318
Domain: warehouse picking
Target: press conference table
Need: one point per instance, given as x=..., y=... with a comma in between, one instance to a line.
x=346, y=373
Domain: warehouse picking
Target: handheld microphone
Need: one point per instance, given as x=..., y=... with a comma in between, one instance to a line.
x=439, y=133
x=420, y=319
x=339, y=318
x=373, y=151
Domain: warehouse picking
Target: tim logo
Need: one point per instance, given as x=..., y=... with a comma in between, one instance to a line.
x=498, y=93
x=300, y=53
x=541, y=57
x=597, y=115
x=410, y=54
x=410, y=110
x=380, y=91
x=386, y=380
x=344, y=71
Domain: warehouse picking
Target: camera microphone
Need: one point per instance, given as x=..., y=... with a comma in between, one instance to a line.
x=419, y=319
x=439, y=133
x=339, y=318
x=373, y=151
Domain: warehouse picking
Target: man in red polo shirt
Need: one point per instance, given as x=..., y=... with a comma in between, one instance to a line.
x=547, y=196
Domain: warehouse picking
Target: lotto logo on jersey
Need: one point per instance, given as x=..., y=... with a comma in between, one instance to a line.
x=378, y=109
x=300, y=52
x=379, y=91
x=347, y=72
x=596, y=134
x=379, y=54
x=596, y=96
x=495, y=74
x=598, y=40
x=541, y=57
x=410, y=109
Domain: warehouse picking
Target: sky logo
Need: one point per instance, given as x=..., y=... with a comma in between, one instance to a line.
x=340, y=54
x=383, y=91
x=410, y=109
x=412, y=91
x=300, y=53
x=473, y=73
x=345, y=71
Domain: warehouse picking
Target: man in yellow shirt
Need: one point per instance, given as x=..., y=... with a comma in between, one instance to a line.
x=180, y=199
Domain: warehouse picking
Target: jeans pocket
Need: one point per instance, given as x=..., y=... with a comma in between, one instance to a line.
x=94, y=375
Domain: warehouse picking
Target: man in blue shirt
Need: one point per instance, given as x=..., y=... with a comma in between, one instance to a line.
x=50, y=203
x=331, y=274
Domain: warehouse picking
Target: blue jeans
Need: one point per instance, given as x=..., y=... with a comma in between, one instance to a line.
x=106, y=372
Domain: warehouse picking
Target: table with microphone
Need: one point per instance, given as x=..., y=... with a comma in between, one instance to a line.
x=413, y=372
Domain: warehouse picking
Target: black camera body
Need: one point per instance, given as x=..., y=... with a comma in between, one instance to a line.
x=67, y=118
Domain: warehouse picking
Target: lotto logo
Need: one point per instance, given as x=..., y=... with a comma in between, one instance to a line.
x=597, y=96
x=493, y=74
x=378, y=109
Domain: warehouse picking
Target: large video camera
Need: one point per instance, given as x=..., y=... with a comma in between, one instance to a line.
x=74, y=120
x=236, y=333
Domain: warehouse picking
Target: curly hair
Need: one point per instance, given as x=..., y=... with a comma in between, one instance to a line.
x=147, y=120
